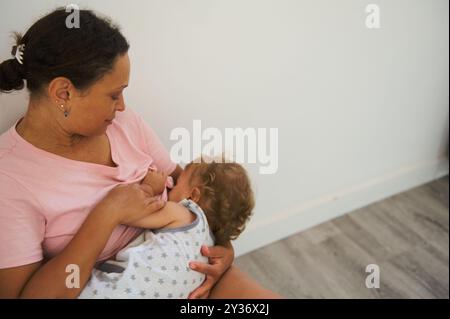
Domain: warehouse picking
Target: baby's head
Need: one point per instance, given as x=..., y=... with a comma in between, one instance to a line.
x=222, y=190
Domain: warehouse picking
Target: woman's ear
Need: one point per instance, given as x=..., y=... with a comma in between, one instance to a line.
x=195, y=194
x=58, y=90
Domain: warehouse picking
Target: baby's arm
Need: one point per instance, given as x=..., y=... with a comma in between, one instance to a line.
x=172, y=214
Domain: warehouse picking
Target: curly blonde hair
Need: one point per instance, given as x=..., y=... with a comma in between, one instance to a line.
x=226, y=196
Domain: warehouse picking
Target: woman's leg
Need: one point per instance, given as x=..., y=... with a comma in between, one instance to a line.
x=236, y=284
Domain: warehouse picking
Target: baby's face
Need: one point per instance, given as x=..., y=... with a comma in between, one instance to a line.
x=182, y=189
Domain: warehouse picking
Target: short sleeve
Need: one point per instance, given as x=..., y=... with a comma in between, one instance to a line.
x=22, y=227
x=155, y=148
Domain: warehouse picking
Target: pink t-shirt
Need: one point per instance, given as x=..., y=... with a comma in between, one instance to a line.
x=44, y=197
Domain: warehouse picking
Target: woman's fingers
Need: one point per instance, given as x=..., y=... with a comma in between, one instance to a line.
x=202, y=292
x=219, y=258
x=206, y=269
x=214, y=251
x=153, y=204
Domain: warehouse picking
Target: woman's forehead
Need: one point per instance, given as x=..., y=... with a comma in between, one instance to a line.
x=119, y=76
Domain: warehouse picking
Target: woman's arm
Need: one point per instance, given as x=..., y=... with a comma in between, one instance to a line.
x=49, y=281
x=12, y=280
x=122, y=205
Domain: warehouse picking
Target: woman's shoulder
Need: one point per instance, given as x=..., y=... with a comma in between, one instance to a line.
x=7, y=142
x=8, y=149
x=15, y=196
x=17, y=155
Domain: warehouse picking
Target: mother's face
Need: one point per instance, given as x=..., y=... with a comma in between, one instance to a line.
x=92, y=111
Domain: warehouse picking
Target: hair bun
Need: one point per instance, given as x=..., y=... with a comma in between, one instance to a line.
x=11, y=76
x=14, y=50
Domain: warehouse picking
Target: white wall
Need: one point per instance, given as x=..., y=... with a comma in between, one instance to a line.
x=362, y=113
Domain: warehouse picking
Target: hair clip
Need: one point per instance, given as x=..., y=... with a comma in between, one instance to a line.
x=17, y=52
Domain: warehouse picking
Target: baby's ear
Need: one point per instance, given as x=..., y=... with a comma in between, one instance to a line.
x=195, y=194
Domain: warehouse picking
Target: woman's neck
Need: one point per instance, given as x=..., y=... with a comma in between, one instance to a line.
x=41, y=128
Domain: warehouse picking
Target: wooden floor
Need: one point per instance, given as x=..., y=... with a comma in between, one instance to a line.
x=405, y=235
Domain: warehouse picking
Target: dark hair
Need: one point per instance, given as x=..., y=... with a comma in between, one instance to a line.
x=226, y=196
x=83, y=55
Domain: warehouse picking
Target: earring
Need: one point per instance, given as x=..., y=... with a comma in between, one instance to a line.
x=66, y=114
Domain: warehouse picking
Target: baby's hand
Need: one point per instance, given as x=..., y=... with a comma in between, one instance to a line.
x=156, y=180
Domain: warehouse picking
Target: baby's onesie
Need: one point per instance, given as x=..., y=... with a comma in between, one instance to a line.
x=155, y=264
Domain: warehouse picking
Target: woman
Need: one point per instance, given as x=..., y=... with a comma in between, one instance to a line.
x=70, y=169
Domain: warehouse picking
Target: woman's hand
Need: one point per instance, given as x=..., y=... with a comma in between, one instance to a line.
x=220, y=260
x=125, y=204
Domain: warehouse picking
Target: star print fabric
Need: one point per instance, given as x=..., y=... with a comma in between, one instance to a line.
x=155, y=264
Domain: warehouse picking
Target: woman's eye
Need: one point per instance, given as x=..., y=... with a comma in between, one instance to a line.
x=115, y=98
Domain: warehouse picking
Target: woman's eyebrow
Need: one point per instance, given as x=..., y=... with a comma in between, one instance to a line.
x=122, y=87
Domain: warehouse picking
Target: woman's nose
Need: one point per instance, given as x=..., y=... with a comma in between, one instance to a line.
x=121, y=105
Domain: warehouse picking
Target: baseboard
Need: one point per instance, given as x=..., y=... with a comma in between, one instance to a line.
x=327, y=207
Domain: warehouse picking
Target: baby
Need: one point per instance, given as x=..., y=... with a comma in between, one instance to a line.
x=209, y=205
